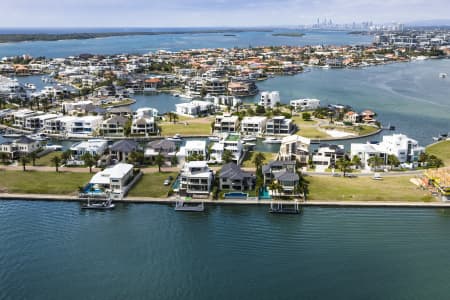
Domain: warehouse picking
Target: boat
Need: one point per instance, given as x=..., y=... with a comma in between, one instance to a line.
x=102, y=205
x=130, y=91
x=38, y=137
x=272, y=140
x=11, y=134
x=181, y=205
x=175, y=138
x=280, y=208
x=186, y=96
x=30, y=87
x=441, y=137
x=214, y=138
x=54, y=147
x=250, y=138
x=443, y=75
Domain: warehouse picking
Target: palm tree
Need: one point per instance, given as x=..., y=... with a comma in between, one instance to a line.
x=66, y=155
x=258, y=160
x=56, y=160
x=174, y=118
x=393, y=161
x=24, y=160
x=356, y=161
x=159, y=160
x=344, y=165
x=227, y=156
x=4, y=157
x=375, y=161
x=88, y=160
x=174, y=161
x=33, y=157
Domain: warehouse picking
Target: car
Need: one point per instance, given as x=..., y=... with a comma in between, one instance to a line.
x=166, y=182
x=350, y=175
x=336, y=175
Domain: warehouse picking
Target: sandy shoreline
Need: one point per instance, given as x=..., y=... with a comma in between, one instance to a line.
x=324, y=203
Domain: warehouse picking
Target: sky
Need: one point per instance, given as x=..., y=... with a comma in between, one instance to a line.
x=210, y=13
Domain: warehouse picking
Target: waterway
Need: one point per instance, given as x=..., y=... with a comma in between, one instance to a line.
x=54, y=250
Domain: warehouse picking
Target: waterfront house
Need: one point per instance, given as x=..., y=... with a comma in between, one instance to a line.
x=279, y=125
x=19, y=147
x=120, y=150
x=37, y=122
x=76, y=107
x=19, y=116
x=242, y=89
x=284, y=173
x=114, y=126
x=143, y=126
x=145, y=112
x=253, y=125
x=296, y=148
x=269, y=99
x=305, y=104
x=229, y=142
x=368, y=117
x=233, y=178
x=122, y=111
x=166, y=148
x=193, y=147
x=407, y=150
x=352, y=117
x=226, y=123
x=367, y=151
x=114, y=180
x=196, y=179
x=82, y=126
x=95, y=147
x=195, y=108
x=326, y=156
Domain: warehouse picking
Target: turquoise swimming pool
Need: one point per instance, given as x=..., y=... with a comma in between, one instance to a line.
x=264, y=194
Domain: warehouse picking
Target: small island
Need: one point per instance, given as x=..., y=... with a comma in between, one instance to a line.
x=289, y=34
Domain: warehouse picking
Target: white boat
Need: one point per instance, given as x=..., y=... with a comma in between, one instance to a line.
x=214, y=138
x=30, y=86
x=186, y=96
x=443, y=75
x=11, y=134
x=249, y=138
x=99, y=206
x=272, y=140
x=325, y=67
x=175, y=138
x=130, y=91
x=54, y=147
x=38, y=136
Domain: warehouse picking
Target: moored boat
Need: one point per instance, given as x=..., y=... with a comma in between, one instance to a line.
x=181, y=205
x=272, y=140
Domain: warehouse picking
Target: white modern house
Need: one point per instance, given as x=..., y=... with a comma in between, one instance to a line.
x=196, y=179
x=114, y=180
x=367, y=151
x=294, y=147
x=406, y=149
x=226, y=123
x=269, y=99
x=279, y=125
x=230, y=142
x=253, y=125
x=94, y=147
x=195, y=108
x=37, y=122
x=143, y=126
x=326, y=156
x=21, y=146
x=192, y=147
x=20, y=116
x=305, y=104
x=145, y=112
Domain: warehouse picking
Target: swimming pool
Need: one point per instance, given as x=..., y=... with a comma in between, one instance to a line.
x=264, y=194
x=235, y=195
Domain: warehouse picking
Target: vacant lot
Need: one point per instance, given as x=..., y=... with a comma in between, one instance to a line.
x=441, y=150
x=152, y=185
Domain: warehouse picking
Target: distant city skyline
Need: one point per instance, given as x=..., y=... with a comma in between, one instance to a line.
x=210, y=13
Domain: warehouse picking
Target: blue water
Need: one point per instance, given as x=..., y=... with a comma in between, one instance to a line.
x=173, y=42
x=54, y=250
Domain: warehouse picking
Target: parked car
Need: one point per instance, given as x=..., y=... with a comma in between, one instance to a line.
x=166, y=182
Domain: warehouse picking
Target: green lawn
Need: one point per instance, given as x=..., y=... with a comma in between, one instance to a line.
x=46, y=160
x=34, y=182
x=365, y=189
x=441, y=150
x=188, y=127
x=312, y=133
x=248, y=161
x=151, y=185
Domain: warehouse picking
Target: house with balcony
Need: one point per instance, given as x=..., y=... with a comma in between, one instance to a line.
x=19, y=147
x=407, y=150
x=279, y=125
x=20, y=116
x=195, y=108
x=253, y=125
x=114, y=126
x=115, y=180
x=226, y=123
x=295, y=148
x=196, y=179
x=305, y=104
x=229, y=142
x=144, y=126
x=365, y=151
x=269, y=99
x=283, y=172
x=121, y=150
x=166, y=148
x=80, y=126
x=193, y=147
x=233, y=178
x=326, y=156
x=95, y=147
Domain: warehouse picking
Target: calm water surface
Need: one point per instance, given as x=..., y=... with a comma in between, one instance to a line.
x=56, y=251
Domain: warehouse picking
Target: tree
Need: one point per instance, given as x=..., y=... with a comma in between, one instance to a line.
x=258, y=160
x=227, y=156
x=89, y=161
x=275, y=186
x=4, y=157
x=375, y=161
x=344, y=164
x=33, y=157
x=393, y=161
x=127, y=128
x=159, y=160
x=56, y=160
x=136, y=157
x=66, y=155
x=24, y=160
x=306, y=116
x=356, y=161
x=174, y=160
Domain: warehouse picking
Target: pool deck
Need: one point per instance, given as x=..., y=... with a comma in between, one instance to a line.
x=44, y=197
